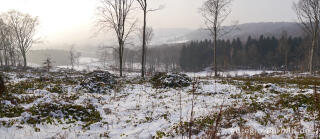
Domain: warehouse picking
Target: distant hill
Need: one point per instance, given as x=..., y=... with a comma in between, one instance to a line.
x=173, y=36
x=165, y=35
x=244, y=30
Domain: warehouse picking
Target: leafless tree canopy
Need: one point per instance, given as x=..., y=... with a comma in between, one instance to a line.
x=308, y=13
x=215, y=12
x=74, y=56
x=20, y=31
x=114, y=15
x=144, y=6
x=7, y=45
x=149, y=35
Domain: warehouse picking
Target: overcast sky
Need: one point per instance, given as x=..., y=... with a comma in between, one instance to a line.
x=72, y=21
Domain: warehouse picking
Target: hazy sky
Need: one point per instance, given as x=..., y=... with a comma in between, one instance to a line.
x=72, y=21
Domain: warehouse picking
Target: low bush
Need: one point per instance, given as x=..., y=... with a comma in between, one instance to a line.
x=166, y=80
x=99, y=82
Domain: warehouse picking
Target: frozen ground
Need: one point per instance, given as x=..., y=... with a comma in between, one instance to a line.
x=57, y=106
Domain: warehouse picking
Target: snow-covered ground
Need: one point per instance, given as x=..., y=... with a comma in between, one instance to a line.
x=85, y=63
x=135, y=109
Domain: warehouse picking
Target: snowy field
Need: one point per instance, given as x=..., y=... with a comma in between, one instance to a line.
x=85, y=63
x=91, y=64
x=58, y=105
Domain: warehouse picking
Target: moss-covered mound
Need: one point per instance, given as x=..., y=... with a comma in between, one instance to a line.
x=170, y=80
x=44, y=112
x=99, y=82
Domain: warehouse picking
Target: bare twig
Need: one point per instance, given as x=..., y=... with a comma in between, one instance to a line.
x=216, y=124
x=195, y=86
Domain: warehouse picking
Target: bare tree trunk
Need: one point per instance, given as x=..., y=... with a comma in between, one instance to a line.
x=311, y=57
x=2, y=86
x=12, y=58
x=6, y=62
x=286, y=60
x=314, y=44
x=1, y=62
x=24, y=60
x=120, y=57
x=215, y=53
x=146, y=38
x=144, y=43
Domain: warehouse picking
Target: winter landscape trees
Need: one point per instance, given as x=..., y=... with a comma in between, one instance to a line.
x=308, y=12
x=164, y=90
x=264, y=53
x=74, y=57
x=21, y=29
x=145, y=32
x=215, y=13
x=114, y=14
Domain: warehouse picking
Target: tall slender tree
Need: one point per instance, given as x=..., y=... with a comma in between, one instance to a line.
x=283, y=49
x=308, y=13
x=114, y=15
x=145, y=35
x=215, y=13
x=144, y=7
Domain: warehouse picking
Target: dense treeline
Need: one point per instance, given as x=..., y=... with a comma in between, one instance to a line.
x=162, y=58
x=262, y=53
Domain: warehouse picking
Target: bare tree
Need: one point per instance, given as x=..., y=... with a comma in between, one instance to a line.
x=24, y=28
x=74, y=57
x=114, y=14
x=149, y=33
x=5, y=42
x=7, y=46
x=144, y=7
x=48, y=64
x=215, y=13
x=103, y=54
x=308, y=13
x=283, y=49
x=146, y=35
